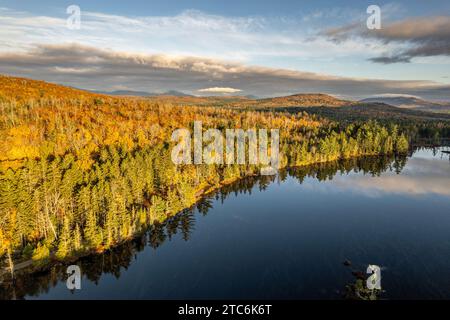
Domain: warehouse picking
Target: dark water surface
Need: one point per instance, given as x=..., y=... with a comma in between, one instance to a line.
x=286, y=237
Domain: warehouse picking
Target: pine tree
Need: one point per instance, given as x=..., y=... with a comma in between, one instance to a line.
x=64, y=245
x=91, y=230
x=76, y=236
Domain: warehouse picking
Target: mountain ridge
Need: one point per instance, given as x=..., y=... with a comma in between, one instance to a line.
x=22, y=89
x=409, y=102
x=173, y=93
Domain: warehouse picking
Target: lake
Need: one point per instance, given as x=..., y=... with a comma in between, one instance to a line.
x=286, y=237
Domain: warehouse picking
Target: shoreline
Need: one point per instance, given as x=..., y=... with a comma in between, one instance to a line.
x=29, y=266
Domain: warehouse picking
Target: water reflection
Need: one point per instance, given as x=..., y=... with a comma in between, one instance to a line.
x=361, y=175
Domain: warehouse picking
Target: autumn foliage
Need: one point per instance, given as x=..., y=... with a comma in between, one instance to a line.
x=81, y=172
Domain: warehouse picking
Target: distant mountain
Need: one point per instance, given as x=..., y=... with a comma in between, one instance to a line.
x=297, y=100
x=126, y=93
x=22, y=89
x=173, y=93
x=409, y=102
x=367, y=111
x=307, y=99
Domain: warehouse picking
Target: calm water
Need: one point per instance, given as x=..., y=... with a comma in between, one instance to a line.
x=287, y=237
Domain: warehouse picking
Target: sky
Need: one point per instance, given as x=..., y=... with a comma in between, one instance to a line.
x=262, y=48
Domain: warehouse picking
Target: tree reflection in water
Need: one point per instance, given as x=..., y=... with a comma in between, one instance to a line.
x=116, y=260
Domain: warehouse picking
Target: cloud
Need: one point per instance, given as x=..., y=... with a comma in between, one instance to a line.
x=395, y=95
x=220, y=90
x=90, y=67
x=391, y=59
x=190, y=32
x=417, y=29
x=414, y=37
x=290, y=41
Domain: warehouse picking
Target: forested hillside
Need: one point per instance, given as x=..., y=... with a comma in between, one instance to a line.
x=82, y=172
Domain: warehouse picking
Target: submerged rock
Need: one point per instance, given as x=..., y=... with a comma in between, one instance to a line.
x=358, y=290
x=359, y=275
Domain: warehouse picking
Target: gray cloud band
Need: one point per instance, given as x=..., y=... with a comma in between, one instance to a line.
x=92, y=68
x=422, y=37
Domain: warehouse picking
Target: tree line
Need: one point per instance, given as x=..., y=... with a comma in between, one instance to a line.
x=183, y=223
x=81, y=173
